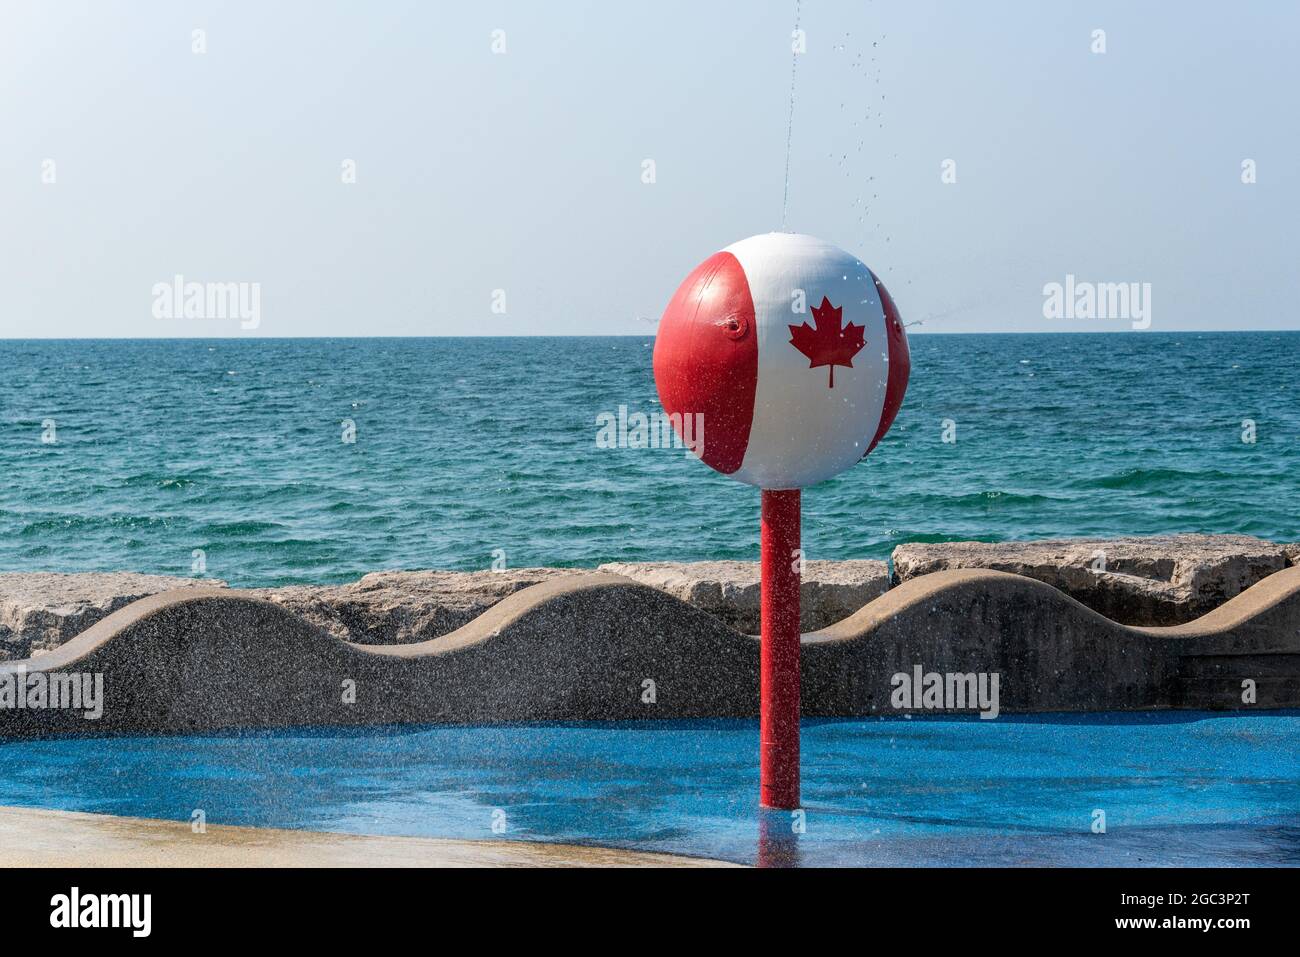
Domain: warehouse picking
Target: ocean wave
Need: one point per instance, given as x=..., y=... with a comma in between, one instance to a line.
x=163, y=480
x=1140, y=478
x=991, y=497
x=88, y=523
x=245, y=527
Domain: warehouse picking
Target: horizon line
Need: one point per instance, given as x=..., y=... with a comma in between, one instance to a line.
x=627, y=335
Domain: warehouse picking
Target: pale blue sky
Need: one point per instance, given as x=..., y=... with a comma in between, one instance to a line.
x=478, y=171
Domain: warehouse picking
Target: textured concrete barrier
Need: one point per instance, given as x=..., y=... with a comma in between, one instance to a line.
x=600, y=647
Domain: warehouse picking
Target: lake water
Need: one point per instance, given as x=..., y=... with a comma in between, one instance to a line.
x=465, y=446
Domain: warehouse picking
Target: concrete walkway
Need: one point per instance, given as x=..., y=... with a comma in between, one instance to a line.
x=38, y=838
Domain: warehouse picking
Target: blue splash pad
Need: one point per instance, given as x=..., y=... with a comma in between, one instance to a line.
x=1176, y=788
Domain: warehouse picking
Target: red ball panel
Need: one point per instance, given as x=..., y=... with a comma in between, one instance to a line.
x=900, y=363
x=706, y=357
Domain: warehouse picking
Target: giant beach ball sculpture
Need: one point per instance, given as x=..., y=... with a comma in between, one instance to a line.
x=794, y=354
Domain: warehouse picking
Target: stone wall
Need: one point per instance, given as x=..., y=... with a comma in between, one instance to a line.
x=41, y=610
x=1164, y=580
x=730, y=591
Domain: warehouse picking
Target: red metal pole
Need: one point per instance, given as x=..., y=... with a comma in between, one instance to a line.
x=779, y=667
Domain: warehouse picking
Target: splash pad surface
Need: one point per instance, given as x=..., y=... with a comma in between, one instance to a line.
x=1186, y=788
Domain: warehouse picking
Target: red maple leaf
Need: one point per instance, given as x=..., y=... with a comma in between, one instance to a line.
x=831, y=343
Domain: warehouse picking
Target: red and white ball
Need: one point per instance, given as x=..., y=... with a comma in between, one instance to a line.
x=793, y=352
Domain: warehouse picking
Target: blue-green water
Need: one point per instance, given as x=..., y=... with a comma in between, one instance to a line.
x=464, y=446
x=1177, y=789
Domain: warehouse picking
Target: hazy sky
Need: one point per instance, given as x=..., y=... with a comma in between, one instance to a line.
x=523, y=171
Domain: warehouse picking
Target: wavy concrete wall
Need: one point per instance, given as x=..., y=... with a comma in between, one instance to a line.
x=583, y=648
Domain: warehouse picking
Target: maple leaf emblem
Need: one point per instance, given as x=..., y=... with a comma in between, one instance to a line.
x=832, y=343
